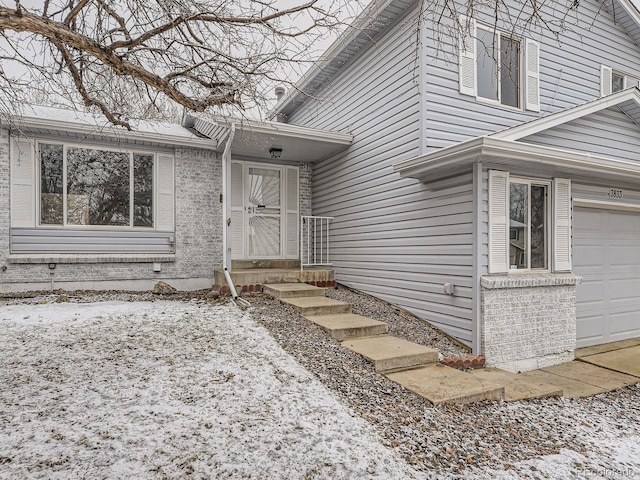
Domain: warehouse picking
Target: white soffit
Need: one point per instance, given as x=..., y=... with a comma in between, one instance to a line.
x=459, y=158
x=254, y=139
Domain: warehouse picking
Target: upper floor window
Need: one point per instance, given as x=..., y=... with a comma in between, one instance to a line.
x=498, y=59
x=497, y=67
x=620, y=81
x=612, y=81
x=90, y=186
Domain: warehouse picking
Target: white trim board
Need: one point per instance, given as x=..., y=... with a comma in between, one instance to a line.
x=545, y=123
x=605, y=205
x=460, y=157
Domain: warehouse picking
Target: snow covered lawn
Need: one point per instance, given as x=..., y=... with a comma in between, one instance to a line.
x=168, y=390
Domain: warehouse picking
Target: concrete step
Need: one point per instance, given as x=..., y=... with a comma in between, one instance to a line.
x=292, y=290
x=440, y=384
x=389, y=353
x=345, y=326
x=516, y=387
x=309, y=306
x=261, y=276
x=265, y=264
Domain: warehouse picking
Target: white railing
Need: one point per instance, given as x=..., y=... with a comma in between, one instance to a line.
x=314, y=241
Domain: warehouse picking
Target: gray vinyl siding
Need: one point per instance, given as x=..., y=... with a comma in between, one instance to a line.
x=379, y=86
x=63, y=241
x=404, y=248
x=609, y=133
x=569, y=75
x=392, y=238
x=589, y=191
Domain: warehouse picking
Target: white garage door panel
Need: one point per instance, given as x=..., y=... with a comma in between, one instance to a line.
x=606, y=253
x=590, y=293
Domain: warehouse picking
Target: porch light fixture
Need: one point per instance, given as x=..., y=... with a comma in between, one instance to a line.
x=275, y=152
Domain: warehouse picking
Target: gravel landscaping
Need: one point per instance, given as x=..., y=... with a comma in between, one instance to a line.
x=193, y=389
x=460, y=441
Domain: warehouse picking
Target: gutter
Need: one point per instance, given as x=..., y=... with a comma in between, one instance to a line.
x=108, y=131
x=469, y=152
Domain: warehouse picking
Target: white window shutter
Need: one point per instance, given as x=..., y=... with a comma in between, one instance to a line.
x=165, y=193
x=23, y=192
x=498, y=221
x=467, y=56
x=532, y=67
x=293, y=214
x=237, y=211
x=605, y=81
x=561, y=225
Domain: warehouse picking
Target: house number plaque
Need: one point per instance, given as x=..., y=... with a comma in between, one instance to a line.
x=616, y=193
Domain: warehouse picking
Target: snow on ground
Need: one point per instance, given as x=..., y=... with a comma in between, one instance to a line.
x=168, y=390
x=118, y=390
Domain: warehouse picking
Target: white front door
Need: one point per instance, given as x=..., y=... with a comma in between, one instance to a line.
x=264, y=211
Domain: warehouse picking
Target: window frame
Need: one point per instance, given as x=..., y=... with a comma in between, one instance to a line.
x=626, y=80
x=548, y=218
x=129, y=152
x=498, y=34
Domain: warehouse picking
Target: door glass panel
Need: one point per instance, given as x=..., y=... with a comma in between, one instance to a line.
x=264, y=236
x=264, y=187
x=264, y=212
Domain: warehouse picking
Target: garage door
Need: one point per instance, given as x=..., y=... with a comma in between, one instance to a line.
x=606, y=253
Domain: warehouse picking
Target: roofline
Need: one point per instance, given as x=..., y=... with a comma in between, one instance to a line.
x=464, y=154
x=631, y=9
x=366, y=17
x=564, y=116
x=110, y=131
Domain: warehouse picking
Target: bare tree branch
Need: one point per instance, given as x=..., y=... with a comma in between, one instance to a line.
x=198, y=53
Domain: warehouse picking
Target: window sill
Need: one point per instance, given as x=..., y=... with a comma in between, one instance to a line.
x=528, y=280
x=89, y=258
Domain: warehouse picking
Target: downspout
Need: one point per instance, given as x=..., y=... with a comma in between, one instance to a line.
x=226, y=157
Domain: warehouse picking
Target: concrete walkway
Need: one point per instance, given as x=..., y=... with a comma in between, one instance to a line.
x=597, y=369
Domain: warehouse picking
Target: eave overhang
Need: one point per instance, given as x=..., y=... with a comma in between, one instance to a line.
x=253, y=139
x=519, y=156
x=49, y=121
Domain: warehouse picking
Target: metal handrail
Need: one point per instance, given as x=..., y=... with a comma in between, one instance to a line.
x=314, y=241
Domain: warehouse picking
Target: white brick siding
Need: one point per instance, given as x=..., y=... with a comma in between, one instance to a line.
x=528, y=321
x=198, y=237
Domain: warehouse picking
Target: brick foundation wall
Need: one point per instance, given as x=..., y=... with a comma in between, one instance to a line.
x=306, y=179
x=198, y=214
x=528, y=320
